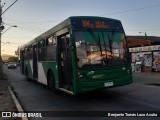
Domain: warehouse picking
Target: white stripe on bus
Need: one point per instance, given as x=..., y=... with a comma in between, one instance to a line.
x=41, y=74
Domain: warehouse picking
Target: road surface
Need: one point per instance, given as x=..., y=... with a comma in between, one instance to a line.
x=36, y=97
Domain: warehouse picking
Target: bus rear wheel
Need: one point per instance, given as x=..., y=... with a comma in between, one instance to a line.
x=51, y=82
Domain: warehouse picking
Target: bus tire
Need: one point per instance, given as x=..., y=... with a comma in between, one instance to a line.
x=51, y=82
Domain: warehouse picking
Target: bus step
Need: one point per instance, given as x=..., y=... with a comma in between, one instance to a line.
x=67, y=91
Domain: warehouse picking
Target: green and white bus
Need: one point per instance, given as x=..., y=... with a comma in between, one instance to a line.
x=80, y=54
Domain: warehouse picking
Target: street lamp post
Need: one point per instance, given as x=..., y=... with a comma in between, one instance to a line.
x=144, y=33
x=9, y=28
x=6, y=43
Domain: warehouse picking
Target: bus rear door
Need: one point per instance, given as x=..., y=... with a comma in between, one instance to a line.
x=35, y=64
x=22, y=61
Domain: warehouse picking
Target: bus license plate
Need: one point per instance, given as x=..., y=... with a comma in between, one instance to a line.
x=108, y=84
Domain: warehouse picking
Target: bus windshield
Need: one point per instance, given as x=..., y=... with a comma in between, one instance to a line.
x=100, y=48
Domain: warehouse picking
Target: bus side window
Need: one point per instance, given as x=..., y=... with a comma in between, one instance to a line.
x=30, y=52
x=51, y=48
x=41, y=50
x=26, y=53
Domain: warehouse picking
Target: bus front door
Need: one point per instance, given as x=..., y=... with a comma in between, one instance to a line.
x=65, y=63
x=35, y=68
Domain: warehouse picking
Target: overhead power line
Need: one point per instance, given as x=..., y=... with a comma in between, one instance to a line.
x=18, y=37
x=29, y=28
x=37, y=29
x=11, y=43
x=37, y=22
x=119, y=12
x=143, y=30
x=9, y=7
x=132, y=10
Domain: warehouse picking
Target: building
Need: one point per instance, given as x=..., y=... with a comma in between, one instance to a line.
x=145, y=53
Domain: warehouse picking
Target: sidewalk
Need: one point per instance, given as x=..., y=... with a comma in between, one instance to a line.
x=150, y=78
x=6, y=101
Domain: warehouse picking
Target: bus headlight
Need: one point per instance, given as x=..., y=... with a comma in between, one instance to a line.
x=80, y=75
x=129, y=71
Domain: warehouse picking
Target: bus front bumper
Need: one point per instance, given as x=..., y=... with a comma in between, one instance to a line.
x=95, y=85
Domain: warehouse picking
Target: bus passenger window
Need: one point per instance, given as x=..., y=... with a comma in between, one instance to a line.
x=51, y=48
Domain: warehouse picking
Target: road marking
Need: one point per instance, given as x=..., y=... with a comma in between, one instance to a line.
x=18, y=106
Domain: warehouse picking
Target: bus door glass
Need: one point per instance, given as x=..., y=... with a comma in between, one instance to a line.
x=65, y=62
x=35, y=68
x=22, y=61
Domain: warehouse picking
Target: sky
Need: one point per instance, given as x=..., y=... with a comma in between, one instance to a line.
x=33, y=17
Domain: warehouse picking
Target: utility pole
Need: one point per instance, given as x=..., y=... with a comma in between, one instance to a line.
x=1, y=28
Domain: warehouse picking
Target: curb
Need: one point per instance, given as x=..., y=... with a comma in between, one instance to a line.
x=18, y=106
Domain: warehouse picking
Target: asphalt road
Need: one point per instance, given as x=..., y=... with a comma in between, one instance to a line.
x=36, y=97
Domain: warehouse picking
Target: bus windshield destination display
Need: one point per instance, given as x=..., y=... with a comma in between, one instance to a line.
x=95, y=24
x=98, y=24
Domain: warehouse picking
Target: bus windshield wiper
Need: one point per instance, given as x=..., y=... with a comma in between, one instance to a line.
x=95, y=39
x=111, y=40
x=105, y=48
x=93, y=35
x=110, y=43
x=100, y=46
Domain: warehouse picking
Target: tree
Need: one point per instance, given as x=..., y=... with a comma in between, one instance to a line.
x=13, y=59
x=17, y=52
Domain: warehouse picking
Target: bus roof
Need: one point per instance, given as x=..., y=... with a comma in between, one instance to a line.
x=71, y=21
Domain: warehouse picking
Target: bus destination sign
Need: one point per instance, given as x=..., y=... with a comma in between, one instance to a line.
x=97, y=23
x=94, y=24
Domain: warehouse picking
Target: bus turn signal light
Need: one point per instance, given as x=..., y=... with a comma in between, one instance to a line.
x=79, y=75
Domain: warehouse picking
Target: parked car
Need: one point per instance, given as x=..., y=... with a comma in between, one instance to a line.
x=6, y=63
x=12, y=65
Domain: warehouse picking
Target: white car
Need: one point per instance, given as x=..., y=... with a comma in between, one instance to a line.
x=12, y=65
